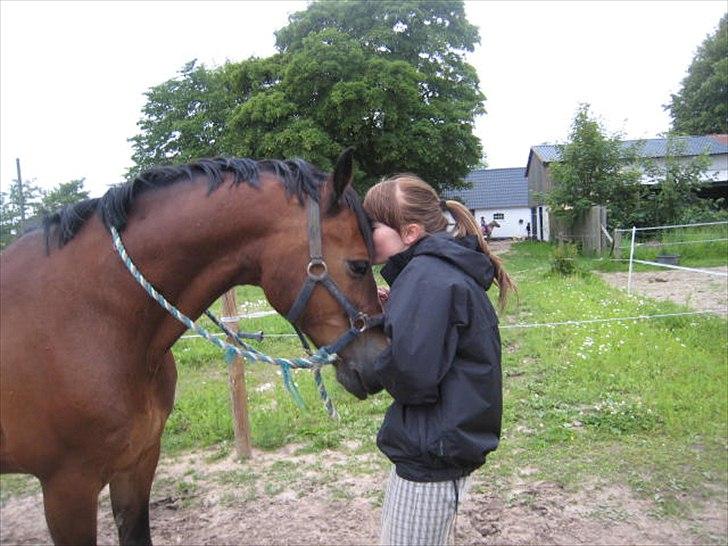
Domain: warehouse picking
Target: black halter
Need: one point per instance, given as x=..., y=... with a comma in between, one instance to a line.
x=317, y=272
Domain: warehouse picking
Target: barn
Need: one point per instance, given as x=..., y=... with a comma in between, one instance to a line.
x=500, y=195
x=539, y=181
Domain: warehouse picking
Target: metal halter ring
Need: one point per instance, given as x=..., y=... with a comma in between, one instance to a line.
x=317, y=263
x=360, y=322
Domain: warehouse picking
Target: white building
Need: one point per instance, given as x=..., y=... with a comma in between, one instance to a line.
x=499, y=195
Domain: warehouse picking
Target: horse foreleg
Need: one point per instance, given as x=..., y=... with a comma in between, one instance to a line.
x=130, y=499
x=70, y=499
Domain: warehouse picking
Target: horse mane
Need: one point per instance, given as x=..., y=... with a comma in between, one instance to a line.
x=299, y=178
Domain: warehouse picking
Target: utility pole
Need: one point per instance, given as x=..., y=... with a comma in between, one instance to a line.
x=21, y=194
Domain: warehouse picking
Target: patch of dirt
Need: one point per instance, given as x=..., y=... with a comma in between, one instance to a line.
x=699, y=291
x=500, y=246
x=285, y=498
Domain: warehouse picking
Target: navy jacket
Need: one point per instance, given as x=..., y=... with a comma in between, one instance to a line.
x=443, y=365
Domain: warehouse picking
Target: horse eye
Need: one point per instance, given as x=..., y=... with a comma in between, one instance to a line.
x=358, y=268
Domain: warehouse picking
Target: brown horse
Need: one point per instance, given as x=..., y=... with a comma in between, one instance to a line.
x=88, y=376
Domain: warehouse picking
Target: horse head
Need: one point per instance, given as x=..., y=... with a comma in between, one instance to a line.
x=320, y=277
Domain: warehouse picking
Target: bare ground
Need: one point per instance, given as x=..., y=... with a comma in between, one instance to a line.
x=199, y=501
x=699, y=291
x=283, y=497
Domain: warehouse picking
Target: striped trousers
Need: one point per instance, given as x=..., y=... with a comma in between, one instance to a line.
x=416, y=513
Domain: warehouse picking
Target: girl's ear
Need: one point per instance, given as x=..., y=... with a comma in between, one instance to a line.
x=411, y=233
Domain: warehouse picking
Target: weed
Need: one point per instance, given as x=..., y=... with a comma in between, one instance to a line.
x=563, y=259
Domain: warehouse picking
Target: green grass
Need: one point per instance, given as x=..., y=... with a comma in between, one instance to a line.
x=641, y=403
x=696, y=253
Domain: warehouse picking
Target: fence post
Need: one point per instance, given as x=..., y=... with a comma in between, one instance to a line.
x=236, y=379
x=631, y=256
x=617, y=243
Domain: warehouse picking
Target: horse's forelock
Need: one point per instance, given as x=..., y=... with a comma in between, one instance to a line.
x=351, y=199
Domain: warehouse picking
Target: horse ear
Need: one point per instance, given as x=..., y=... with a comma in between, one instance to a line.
x=342, y=174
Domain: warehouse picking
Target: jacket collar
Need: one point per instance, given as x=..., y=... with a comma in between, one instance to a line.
x=395, y=264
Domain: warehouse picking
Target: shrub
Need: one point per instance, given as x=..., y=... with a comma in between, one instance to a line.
x=563, y=259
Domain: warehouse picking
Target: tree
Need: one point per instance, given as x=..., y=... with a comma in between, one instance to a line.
x=388, y=78
x=66, y=193
x=595, y=169
x=672, y=195
x=32, y=203
x=183, y=118
x=18, y=208
x=701, y=105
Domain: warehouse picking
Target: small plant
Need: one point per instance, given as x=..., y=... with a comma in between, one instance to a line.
x=563, y=259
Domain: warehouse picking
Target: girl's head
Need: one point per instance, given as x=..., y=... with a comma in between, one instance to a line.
x=404, y=209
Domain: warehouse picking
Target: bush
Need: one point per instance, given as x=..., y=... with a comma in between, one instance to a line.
x=563, y=259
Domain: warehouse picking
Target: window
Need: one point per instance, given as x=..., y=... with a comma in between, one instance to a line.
x=498, y=216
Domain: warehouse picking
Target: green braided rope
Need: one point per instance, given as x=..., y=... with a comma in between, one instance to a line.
x=314, y=362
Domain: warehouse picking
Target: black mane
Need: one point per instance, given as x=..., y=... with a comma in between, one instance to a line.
x=299, y=178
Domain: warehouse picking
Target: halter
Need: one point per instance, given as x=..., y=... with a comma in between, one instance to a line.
x=318, y=272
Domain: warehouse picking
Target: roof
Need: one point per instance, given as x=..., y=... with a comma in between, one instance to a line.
x=651, y=147
x=493, y=188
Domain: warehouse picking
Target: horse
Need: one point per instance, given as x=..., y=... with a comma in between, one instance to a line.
x=88, y=376
x=488, y=228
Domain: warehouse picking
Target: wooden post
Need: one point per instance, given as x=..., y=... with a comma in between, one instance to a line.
x=617, y=244
x=631, y=257
x=21, y=197
x=236, y=378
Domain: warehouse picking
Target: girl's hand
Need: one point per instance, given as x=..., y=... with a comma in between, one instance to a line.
x=383, y=294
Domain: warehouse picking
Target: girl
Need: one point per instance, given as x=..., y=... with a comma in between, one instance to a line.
x=443, y=365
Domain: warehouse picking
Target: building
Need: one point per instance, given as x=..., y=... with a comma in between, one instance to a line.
x=499, y=195
x=688, y=147
x=513, y=197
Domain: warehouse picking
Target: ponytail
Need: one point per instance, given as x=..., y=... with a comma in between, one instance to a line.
x=465, y=224
x=405, y=199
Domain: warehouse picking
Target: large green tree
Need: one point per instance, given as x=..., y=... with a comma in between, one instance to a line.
x=387, y=77
x=700, y=107
x=183, y=118
x=595, y=169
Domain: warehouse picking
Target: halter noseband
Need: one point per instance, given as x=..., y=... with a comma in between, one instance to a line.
x=318, y=272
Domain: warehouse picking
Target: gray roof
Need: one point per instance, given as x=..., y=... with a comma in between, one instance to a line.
x=651, y=147
x=493, y=188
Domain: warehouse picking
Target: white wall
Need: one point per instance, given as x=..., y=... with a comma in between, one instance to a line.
x=510, y=226
x=717, y=170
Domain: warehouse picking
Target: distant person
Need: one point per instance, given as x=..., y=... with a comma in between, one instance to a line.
x=528, y=230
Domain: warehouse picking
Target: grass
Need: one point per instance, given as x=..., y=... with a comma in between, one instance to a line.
x=641, y=400
x=641, y=403
x=689, y=243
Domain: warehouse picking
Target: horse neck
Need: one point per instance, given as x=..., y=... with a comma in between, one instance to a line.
x=193, y=247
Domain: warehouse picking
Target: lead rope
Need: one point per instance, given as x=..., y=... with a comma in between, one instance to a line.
x=313, y=362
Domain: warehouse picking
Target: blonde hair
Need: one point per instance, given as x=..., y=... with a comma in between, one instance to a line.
x=407, y=199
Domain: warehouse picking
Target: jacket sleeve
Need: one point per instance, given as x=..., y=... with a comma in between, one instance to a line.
x=423, y=336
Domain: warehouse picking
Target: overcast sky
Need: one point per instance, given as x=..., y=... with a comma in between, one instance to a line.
x=73, y=74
